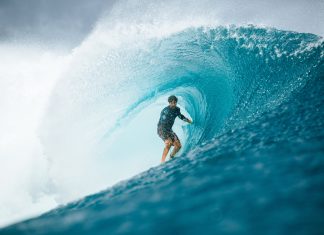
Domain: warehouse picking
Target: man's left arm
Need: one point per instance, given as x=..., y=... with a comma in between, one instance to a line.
x=182, y=117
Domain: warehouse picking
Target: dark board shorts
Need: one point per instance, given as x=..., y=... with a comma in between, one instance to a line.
x=165, y=134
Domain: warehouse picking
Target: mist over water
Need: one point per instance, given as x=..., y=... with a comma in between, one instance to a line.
x=79, y=112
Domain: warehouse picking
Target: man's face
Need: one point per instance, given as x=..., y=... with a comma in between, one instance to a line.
x=173, y=104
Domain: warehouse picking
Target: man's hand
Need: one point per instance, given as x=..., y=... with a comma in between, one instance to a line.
x=189, y=121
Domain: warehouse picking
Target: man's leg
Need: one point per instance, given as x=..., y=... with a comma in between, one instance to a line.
x=177, y=146
x=168, y=144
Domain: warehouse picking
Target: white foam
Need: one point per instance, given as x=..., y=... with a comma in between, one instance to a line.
x=27, y=76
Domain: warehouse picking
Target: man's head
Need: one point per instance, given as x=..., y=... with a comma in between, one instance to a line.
x=172, y=101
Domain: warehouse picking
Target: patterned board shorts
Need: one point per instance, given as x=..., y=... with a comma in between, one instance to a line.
x=164, y=134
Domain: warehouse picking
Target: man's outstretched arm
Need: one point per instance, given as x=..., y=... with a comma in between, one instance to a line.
x=182, y=117
x=188, y=120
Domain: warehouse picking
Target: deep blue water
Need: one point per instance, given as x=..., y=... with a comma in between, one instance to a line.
x=254, y=160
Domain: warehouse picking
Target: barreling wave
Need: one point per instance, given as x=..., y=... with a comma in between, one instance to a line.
x=225, y=77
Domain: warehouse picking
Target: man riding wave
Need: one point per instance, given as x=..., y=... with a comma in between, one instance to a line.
x=164, y=128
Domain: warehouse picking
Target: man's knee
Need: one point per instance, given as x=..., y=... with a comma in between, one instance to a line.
x=177, y=144
x=168, y=144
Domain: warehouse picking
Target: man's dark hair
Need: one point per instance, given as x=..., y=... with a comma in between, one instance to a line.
x=172, y=98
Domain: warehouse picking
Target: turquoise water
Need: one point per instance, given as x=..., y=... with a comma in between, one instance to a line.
x=253, y=160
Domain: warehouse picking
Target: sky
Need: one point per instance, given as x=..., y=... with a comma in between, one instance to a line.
x=67, y=22
x=49, y=22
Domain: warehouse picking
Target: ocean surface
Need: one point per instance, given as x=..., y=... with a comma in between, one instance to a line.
x=252, y=162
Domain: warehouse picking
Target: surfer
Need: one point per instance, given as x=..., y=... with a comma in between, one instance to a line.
x=164, y=128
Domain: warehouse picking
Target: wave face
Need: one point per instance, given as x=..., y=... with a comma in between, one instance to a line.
x=251, y=163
